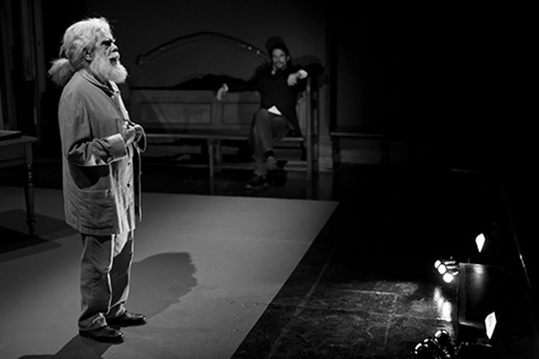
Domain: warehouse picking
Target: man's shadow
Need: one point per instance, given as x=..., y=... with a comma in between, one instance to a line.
x=157, y=282
x=78, y=347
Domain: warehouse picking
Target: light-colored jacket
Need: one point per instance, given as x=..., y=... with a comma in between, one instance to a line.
x=101, y=175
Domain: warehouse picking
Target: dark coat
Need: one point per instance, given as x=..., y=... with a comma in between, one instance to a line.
x=275, y=91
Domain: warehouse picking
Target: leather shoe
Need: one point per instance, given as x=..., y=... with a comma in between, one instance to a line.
x=127, y=320
x=104, y=334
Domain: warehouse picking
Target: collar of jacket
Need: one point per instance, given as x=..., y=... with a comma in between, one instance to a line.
x=109, y=90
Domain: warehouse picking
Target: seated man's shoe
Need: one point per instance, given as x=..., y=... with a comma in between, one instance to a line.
x=104, y=334
x=257, y=182
x=271, y=163
x=269, y=160
x=127, y=320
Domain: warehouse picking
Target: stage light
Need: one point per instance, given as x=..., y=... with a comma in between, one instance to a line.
x=446, y=273
x=421, y=351
x=480, y=242
x=445, y=343
x=490, y=324
x=443, y=266
x=427, y=349
x=448, y=269
x=440, y=267
x=433, y=348
x=448, y=277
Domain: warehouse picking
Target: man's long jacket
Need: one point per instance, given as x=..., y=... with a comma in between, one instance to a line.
x=101, y=175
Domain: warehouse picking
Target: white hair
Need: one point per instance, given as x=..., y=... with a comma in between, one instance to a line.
x=79, y=39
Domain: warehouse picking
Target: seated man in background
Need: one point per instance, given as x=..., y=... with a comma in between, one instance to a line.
x=279, y=85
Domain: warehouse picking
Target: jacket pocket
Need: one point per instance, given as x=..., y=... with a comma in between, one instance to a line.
x=97, y=209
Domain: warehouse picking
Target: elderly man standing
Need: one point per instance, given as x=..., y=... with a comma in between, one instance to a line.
x=101, y=174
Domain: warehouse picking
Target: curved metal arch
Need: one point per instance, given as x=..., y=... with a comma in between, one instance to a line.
x=149, y=56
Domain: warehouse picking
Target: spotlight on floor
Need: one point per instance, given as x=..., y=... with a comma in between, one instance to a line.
x=443, y=305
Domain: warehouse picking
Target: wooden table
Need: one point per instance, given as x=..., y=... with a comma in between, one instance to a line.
x=17, y=151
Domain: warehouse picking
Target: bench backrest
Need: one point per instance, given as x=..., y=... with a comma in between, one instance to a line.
x=182, y=111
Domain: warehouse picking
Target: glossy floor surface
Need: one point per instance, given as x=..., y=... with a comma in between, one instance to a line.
x=366, y=288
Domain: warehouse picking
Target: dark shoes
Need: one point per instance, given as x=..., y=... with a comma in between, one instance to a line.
x=257, y=182
x=271, y=163
x=127, y=320
x=104, y=335
x=109, y=333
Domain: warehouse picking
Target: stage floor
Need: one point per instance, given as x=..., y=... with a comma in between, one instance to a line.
x=358, y=283
x=205, y=269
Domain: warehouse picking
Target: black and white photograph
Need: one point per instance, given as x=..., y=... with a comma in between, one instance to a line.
x=268, y=179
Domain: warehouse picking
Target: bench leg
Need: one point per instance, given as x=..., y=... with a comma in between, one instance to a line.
x=211, y=156
x=309, y=161
x=218, y=155
x=308, y=143
x=214, y=154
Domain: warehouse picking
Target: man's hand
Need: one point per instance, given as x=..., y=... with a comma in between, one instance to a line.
x=128, y=133
x=222, y=92
x=139, y=131
x=296, y=76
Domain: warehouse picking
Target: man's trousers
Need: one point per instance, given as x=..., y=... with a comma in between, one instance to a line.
x=104, y=278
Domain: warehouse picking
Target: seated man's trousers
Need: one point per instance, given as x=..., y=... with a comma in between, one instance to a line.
x=266, y=128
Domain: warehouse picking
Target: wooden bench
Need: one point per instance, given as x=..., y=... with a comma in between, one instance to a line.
x=175, y=116
x=363, y=133
x=384, y=136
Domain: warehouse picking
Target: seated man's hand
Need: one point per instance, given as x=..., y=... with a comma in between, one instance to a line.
x=294, y=77
x=221, y=92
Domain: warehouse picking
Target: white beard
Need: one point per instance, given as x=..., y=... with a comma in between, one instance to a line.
x=102, y=67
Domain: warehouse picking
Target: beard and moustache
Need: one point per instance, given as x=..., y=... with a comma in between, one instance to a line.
x=105, y=70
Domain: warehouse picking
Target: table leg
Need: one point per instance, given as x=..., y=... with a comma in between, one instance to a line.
x=29, y=195
x=29, y=190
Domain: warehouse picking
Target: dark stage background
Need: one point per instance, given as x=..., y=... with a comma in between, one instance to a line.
x=455, y=79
